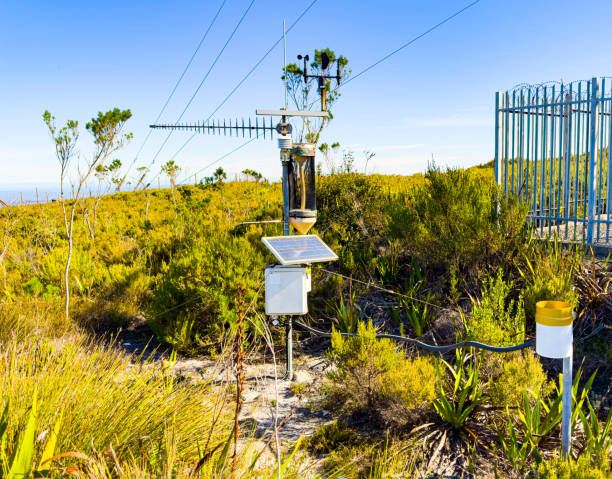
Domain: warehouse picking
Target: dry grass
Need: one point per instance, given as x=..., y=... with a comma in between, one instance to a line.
x=109, y=403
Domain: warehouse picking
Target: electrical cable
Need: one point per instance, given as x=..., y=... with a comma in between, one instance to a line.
x=429, y=347
x=426, y=32
x=385, y=290
x=418, y=37
x=203, y=80
x=177, y=83
x=222, y=157
x=238, y=85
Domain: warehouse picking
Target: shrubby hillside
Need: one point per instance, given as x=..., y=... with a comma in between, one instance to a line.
x=442, y=256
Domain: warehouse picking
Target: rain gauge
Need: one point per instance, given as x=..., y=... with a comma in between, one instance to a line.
x=287, y=283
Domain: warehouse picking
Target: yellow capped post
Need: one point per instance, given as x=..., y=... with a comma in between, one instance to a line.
x=554, y=330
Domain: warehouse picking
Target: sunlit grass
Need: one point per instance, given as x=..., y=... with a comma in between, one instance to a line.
x=107, y=400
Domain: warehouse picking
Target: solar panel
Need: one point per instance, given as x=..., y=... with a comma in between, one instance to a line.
x=299, y=249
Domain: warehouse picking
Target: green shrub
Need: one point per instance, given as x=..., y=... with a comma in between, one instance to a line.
x=548, y=274
x=414, y=384
x=371, y=373
x=521, y=373
x=194, y=302
x=349, y=218
x=582, y=468
x=458, y=221
x=496, y=319
x=331, y=437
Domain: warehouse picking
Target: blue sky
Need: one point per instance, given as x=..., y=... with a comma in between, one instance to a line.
x=433, y=99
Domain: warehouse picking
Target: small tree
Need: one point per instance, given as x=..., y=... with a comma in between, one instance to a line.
x=367, y=156
x=348, y=162
x=107, y=132
x=115, y=174
x=171, y=169
x=220, y=175
x=330, y=154
x=305, y=93
x=248, y=173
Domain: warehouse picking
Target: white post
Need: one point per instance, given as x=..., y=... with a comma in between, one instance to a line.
x=554, y=339
x=566, y=413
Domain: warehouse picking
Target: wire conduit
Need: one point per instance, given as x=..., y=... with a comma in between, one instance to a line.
x=420, y=344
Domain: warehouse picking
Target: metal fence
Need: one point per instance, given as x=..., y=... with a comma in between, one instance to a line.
x=552, y=150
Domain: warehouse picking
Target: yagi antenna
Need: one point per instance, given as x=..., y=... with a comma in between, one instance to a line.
x=255, y=128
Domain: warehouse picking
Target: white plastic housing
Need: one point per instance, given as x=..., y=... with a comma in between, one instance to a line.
x=285, y=142
x=286, y=290
x=554, y=341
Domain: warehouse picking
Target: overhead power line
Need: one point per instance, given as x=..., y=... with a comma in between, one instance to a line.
x=204, y=79
x=195, y=52
x=413, y=40
x=222, y=157
x=418, y=37
x=239, y=84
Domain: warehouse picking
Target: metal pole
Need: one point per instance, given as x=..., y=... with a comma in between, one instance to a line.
x=497, y=158
x=286, y=231
x=285, y=163
x=566, y=413
x=289, y=334
x=567, y=157
x=592, y=159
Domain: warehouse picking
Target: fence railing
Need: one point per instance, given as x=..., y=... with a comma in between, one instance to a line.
x=552, y=150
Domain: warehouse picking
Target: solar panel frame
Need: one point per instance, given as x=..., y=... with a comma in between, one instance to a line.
x=284, y=249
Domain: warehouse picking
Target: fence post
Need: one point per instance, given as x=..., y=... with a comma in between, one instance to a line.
x=592, y=159
x=497, y=159
x=566, y=154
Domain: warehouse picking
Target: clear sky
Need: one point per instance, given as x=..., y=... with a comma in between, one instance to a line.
x=433, y=99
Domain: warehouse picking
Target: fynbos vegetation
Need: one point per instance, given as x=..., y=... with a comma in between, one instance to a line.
x=440, y=256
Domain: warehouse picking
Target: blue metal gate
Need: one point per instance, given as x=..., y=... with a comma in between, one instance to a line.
x=552, y=150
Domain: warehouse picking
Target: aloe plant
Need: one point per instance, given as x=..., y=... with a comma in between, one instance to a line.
x=539, y=419
x=19, y=463
x=456, y=405
x=347, y=315
x=417, y=314
x=598, y=437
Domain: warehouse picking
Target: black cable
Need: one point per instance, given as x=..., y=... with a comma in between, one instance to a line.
x=370, y=284
x=429, y=347
x=203, y=80
x=418, y=37
x=238, y=85
x=177, y=83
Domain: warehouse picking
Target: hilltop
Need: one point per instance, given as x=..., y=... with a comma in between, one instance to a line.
x=140, y=376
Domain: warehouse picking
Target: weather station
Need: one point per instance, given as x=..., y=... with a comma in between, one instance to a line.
x=287, y=283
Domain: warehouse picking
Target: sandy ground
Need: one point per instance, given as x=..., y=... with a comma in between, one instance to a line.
x=577, y=232
x=265, y=399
